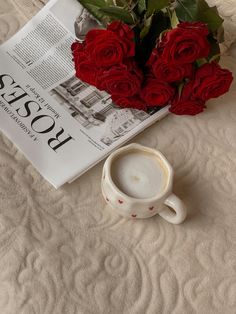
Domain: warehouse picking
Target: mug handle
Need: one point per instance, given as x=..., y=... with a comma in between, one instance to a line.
x=178, y=206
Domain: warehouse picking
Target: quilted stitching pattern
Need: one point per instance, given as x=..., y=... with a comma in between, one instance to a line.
x=62, y=251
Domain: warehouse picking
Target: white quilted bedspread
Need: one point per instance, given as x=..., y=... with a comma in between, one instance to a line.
x=62, y=252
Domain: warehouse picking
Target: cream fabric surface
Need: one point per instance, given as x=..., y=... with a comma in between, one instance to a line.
x=63, y=252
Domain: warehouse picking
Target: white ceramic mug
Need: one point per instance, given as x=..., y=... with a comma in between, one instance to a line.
x=137, y=183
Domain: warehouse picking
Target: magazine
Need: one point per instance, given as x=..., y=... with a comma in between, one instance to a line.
x=61, y=124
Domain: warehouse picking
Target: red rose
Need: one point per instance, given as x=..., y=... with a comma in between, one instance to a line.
x=77, y=51
x=107, y=47
x=167, y=71
x=134, y=102
x=188, y=107
x=76, y=48
x=195, y=26
x=153, y=57
x=85, y=69
x=87, y=72
x=211, y=81
x=183, y=45
x=186, y=104
x=121, y=80
x=126, y=35
x=157, y=92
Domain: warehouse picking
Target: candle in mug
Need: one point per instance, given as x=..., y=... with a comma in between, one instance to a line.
x=137, y=183
x=139, y=174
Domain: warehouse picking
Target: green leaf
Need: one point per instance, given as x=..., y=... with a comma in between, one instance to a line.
x=220, y=34
x=94, y=11
x=180, y=88
x=117, y=13
x=146, y=28
x=141, y=6
x=162, y=33
x=93, y=6
x=110, y=2
x=209, y=15
x=200, y=62
x=96, y=3
x=215, y=58
x=156, y=5
x=174, y=19
x=198, y=10
x=119, y=3
x=215, y=48
x=186, y=10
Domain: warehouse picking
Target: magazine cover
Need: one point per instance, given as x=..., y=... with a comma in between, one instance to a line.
x=63, y=125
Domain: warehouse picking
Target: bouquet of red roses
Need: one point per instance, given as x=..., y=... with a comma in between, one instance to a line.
x=154, y=53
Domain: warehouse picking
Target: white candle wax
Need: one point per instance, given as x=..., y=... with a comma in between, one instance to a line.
x=139, y=174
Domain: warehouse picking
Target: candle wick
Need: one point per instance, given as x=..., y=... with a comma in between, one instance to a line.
x=135, y=178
